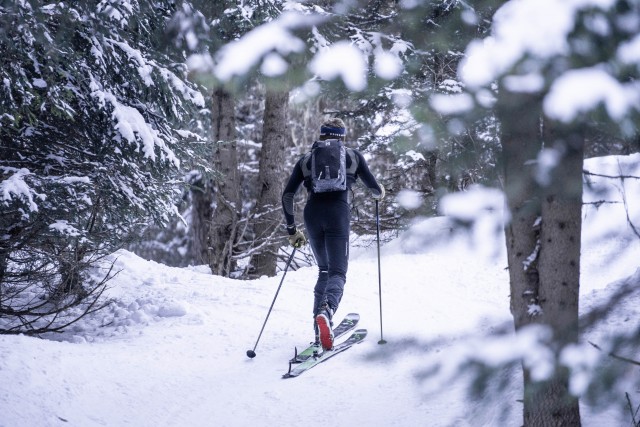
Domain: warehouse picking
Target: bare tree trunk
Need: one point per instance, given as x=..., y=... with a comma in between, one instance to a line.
x=561, y=235
x=200, y=227
x=224, y=222
x=272, y=160
x=559, y=266
x=543, y=246
x=521, y=144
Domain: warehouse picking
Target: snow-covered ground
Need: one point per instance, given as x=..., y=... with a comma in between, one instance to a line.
x=171, y=348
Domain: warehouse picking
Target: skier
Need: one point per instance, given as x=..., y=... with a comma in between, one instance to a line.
x=327, y=220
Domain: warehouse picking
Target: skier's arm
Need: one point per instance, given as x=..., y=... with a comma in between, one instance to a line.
x=288, y=195
x=366, y=176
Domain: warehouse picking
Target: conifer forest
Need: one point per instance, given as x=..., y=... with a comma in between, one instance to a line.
x=170, y=127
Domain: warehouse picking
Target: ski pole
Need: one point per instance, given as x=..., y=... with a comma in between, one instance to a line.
x=252, y=353
x=382, y=341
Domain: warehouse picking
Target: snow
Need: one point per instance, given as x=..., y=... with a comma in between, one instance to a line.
x=63, y=227
x=528, y=83
x=39, y=83
x=629, y=53
x=517, y=27
x=267, y=44
x=341, y=59
x=452, y=104
x=548, y=160
x=15, y=187
x=144, y=68
x=387, y=65
x=116, y=10
x=273, y=36
x=409, y=199
x=481, y=209
x=516, y=51
x=192, y=95
x=76, y=179
x=169, y=350
x=568, y=97
x=604, y=198
x=273, y=65
x=131, y=125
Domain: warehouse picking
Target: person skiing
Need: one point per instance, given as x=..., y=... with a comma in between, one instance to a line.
x=327, y=220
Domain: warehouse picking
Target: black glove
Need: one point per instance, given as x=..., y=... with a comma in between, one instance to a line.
x=380, y=195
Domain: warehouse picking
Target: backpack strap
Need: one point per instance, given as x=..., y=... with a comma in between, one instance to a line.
x=305, y=165
x=353, y=167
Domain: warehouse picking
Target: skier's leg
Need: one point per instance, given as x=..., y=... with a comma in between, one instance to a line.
x=337, y=249
x=316, y=235
x=318, y=298
x=336, y=239
x=316, y=241
x=320, y=289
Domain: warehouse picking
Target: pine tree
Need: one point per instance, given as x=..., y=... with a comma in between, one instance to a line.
x=94, y=122
x=545, y=201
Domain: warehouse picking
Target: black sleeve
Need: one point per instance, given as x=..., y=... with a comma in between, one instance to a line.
x=366, y=176
x=288, y=195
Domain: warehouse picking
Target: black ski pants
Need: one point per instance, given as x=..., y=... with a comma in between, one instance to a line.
x=327, y=223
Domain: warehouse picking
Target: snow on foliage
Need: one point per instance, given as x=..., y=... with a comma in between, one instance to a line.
x=569, y=96
x=100, y=121
x=267, y=45
x=276, y=36
x=341, y=59
x=409, y=199
x=271, y=39
x=64, y=227
x=103, y=92
x=526, y=38
x=516, y=31
x=452, y=104
x=15, y=187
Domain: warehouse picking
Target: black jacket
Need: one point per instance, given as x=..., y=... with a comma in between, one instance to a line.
x=356, y=168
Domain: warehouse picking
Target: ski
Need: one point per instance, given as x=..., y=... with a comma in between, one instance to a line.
x=312, y=361
x=347, y=324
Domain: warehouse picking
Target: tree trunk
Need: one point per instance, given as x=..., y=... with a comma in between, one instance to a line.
x=268, y=205
x=559, y=267
x=200, y=227
x=561, y=235
x=521, y=143
x=226, y=187
x=543, y=246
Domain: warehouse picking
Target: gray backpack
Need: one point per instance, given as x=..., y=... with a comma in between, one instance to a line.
x=326, y=166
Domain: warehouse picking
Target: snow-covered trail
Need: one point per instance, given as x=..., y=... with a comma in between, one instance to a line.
x=173, y=352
